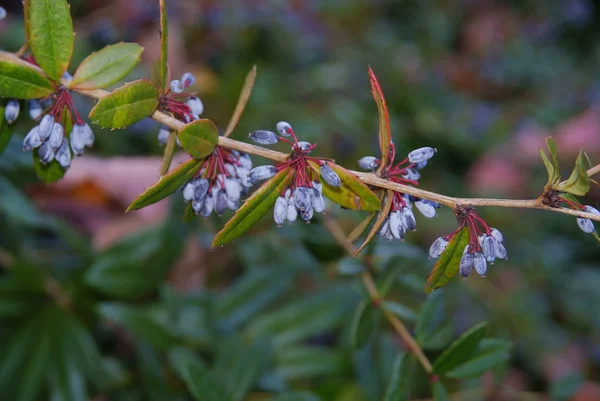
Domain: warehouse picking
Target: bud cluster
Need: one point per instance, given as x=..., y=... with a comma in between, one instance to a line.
x=302, y=194
x=219, y=183
x=485, y=243
x=183, y=106
x=555, y=199
x=401, y=218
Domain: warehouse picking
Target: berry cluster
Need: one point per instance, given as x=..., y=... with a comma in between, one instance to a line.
x=185, y=107
x=219, y=183
x=485, y=243
x=401, y=218
x=302, y=194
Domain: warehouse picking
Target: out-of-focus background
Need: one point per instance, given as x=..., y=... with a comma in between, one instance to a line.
x=483, y=81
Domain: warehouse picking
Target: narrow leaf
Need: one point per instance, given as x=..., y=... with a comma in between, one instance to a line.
x=553, y=153
x=106, y=66
x=439, y=392
x=434, y=328
x=199, y=138
x=164, y=48
x=447, y=265
x=578, y=182
x=243, y=99
x=199, y=381
x=166, y=184
x=380, y=220
x=352, y=194
x=552, y=173
x=403, y=312
x=51, y=35
x=363, y=324
x=490, y=353
x=361, y=227
x=461, y=350
x=385, y=136
x=21, y=80
x=126, y=105
x=255, y=207
x=398, y=386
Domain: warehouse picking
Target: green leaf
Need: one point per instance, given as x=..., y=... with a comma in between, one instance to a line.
x=301, y=362
x=140, y=322
x=579, y=182
x=385, y=135
x=490, y=352
x=434, y=328
x=295, y=396
x=447, y=265
x=363, y=324
x=164, y=48
x=461, y=350
x=106, y=66
x=352, y=194
x=551, y=165
x=49, y=173
x=566, y=387
x=381, y=217
x=398, y=386
x=255, y=207
x=199, y=138
x=243, y=99
x=153, y=375
x=199, y=381
x=439, y=392
x=126, y=105
x=166, y=184
x=51, y=35
x=403, y=312
x=21, y=80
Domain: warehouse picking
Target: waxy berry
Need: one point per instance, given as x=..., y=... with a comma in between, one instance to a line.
x=421, y=155
x=11, y=111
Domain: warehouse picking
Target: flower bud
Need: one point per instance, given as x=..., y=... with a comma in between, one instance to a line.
x=77, y=139
x=318, y=186
x=11, y=112
x=188, y=79
x=287, y=194
x=163, y=136
x=330, y=176
x=466, y=265
x=497, y=234
x=262, y=173
x=301, y=196
x=32, y=139
x=188, y=190
x=590, y=209
x=500, y=250
x=368, y=162
x=420, y=165
x=284, y=128
x=35, y=109
x=408, y=219
x=195, y=105
x=317, y=201
x=264, y=137
x=88, y=135
x=209, y=204
x=479, y=263
x=307, y=214
x=56, y=136
x=385, y=228
x=63, y=154
x=46, y=126
x=245, y=161
x=243, y=176
x=488, y=248
x=2, y=13
x=426, y=208
x=280, y=210
x=437, y=247
x=233, y=205
x=585, y=225
x=411, y=174
x=291, y=213
x=46, y=153
x=304, y=146
x=396, y=227
x=230, y=170
x=421, y=154
x=200, y=189
x=177, y=86
x=220, y=202
x=197, y=205
x=233, y=189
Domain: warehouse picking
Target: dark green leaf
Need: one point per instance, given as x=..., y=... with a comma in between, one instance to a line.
x=21, y=80
x=163, y=63
x=403, y=312
x=106, y=66
x=199, y=381
x=301, y=362
x=398, y=386
x=434, y=328
x=566, y=387
x=296, y=396
x=243, y=99
x=439, y=392
x=126, y=105
x=51, y=35
x=199, y=138
x=153, y=375
x=17, y=207
x=255, y=207
x=578, y=182
x=49, y=173
x=166, y=184
x=448, y=263
x=490, y=353
x=363, y=324
x=461, y=350
x=385, y=135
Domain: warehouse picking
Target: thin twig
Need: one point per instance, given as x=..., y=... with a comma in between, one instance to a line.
x=369, y=283
x=370, y=178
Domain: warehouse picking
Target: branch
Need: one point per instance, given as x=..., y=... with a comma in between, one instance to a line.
x=376, y=299
x=370, y=178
